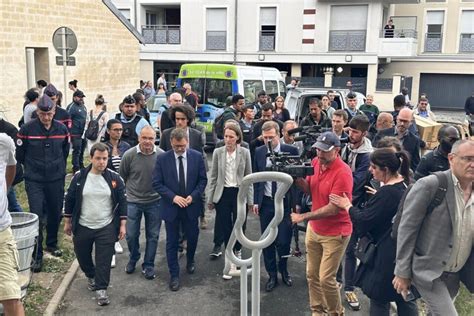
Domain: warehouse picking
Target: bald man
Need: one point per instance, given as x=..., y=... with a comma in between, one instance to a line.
x=410, y=142
x=384, y=121
x=165, y=120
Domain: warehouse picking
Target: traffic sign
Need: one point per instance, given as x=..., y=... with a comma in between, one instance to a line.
x=71, y=61
x=71, y=40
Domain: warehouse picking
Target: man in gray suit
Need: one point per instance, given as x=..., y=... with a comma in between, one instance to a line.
x=432, y=249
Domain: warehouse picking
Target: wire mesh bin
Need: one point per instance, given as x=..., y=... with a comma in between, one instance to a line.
x=25, y=227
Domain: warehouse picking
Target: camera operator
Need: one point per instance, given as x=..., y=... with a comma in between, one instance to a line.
x=290, y=139
x=356, y=156
x=329, y=227
x=265, y=208
x=316, y=115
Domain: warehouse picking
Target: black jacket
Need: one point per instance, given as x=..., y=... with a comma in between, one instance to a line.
x=78, y=114
x=430, y=163
x=73, y=199
x=308, y=120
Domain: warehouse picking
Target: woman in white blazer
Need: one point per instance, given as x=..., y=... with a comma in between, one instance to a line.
x=230, y=164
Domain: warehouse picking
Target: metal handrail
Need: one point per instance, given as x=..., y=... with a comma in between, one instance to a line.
x=252, y=265
x=400, y=33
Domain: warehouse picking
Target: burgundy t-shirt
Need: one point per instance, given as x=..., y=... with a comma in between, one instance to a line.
x=336, y=179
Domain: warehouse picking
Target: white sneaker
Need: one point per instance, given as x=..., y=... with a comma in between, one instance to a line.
x=112, y=264
x=118, y=247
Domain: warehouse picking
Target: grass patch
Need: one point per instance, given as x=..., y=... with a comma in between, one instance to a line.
x=464, y=302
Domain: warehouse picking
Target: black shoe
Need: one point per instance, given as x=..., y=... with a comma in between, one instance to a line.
x=190, y=268
x=271, y=284
x=54, y=251
x=174, y=284
x=37, y=265
x=286, y=279
x=130, y=268
x=216, y=252
x=149, y=273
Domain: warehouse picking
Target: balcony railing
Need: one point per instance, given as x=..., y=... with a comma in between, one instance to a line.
x=399, y=33
x=347, y=40
x=466, y=45
x=216, y=40
x=267, y=40
x=162, y=34
x=433, y=42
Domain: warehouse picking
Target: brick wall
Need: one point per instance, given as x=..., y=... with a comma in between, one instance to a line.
x=107, y=57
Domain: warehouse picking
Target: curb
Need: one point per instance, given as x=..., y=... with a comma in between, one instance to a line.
x=61, y=291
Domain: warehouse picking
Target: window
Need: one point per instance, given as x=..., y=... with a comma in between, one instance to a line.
x=348, y=28
x=217, y=91
x=271, y=88
x=251, y=88
x=282, y=89
x=125, y=13
x=267, y=29
x=150, y=18
x=434, y=31
x=466, y=43
x=216, y=35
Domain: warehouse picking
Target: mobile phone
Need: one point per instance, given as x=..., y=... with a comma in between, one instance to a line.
x=411, y=295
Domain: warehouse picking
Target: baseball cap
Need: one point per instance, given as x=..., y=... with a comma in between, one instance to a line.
x=78, y=93
x=45, y=103
x=50, y=90
x=351, y=95
x=327, y=141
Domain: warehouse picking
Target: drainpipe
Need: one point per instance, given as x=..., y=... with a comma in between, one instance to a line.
x=135, y=14
x=235, y=31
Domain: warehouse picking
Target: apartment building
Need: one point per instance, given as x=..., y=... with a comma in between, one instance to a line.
x=106, y=60
x=309, y=39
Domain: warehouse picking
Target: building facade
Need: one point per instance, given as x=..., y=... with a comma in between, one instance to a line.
x=107, y=59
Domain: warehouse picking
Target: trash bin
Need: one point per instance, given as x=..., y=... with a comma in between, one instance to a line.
x=25, y=228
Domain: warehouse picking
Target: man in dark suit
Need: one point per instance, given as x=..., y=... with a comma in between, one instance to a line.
x=410, y=142
x=180, y=178
x=257, y=138
x=264, y=207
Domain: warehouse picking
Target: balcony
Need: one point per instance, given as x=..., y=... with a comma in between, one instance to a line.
x=433, y=42
x=267, y=41
x=162, y=34
x=466, y=44
x=347, y=40
x=216, y=40
x=398, y=43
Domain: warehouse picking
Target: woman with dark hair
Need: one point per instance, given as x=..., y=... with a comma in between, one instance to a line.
x=161, y=89
x=230, y=164
x=374, y=221
x=281, y=113
x=117, y=148
x=73, y=85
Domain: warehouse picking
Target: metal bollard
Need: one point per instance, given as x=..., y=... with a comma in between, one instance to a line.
x=252, y=265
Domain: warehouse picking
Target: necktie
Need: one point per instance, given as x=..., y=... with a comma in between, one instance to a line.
x=182, y=183
x=274, y=189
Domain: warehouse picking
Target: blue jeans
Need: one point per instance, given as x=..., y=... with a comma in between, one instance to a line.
x=13, y=205
x=152, y=231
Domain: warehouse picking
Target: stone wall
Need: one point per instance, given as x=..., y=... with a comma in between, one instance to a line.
x=107, y=57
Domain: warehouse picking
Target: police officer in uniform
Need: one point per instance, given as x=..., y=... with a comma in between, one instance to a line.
x=42, y=148
x=61, y=114
x=132, y=123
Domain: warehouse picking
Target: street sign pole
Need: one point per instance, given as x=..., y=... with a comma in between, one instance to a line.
x=65, y=57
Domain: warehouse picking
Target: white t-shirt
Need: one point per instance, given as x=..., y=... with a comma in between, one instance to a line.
x=7, y=158
x=96, y=210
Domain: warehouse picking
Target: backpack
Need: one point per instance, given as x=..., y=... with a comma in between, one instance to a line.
x=218, y=125
x=436, y=201
x=92, y=131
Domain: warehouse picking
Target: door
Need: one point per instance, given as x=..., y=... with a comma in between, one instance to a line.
x=446, y=91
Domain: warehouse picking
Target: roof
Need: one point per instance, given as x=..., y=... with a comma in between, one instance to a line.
x=128, y=25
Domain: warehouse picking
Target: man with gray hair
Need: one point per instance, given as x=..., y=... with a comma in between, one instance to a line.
x=434, y=247
x=180, y=179
x=136, y=169
x=265, y=208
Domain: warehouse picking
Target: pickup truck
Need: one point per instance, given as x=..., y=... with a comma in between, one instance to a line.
x=297, y=100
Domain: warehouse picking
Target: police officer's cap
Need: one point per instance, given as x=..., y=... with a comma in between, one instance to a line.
x=45, y=103
x=50, y=90
x=351, y=95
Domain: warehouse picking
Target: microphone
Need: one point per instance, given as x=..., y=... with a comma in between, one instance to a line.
x=295, y=130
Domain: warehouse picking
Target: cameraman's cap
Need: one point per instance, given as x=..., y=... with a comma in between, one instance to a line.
x=351, y=95
x=45, y=103
x=78, y=93
x=50, y=90
x=327, y=141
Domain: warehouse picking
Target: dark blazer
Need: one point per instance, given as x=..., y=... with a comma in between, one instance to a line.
x=411, y=143
x=257, y=131
x=195, y=141
x=260, y=164
x=165, y=182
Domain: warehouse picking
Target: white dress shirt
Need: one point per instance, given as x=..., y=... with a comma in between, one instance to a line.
x=230, y=169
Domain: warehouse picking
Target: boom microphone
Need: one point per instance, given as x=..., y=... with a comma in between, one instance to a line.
x=295, y=130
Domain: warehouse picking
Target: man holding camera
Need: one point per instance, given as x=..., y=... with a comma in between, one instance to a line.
x=265, y=207
x=329, y=227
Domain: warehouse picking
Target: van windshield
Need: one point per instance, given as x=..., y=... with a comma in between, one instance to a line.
x=211, y=91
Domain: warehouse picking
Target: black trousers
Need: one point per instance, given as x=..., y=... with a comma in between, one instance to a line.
x=226, y=214
x=282, y=243
x=104, y=240
x=78, y=147
x=46, y=200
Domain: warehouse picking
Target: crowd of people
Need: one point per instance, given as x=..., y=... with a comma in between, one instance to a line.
x=365, y=163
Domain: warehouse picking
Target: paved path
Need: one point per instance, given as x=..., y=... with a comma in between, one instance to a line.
x=203, y=293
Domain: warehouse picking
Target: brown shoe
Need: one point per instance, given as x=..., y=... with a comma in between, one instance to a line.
x=203, y=222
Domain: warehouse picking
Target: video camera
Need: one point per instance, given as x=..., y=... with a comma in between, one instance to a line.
x=293, y=165
x=309, y=135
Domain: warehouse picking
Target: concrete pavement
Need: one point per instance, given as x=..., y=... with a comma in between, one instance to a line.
x=203, y=293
